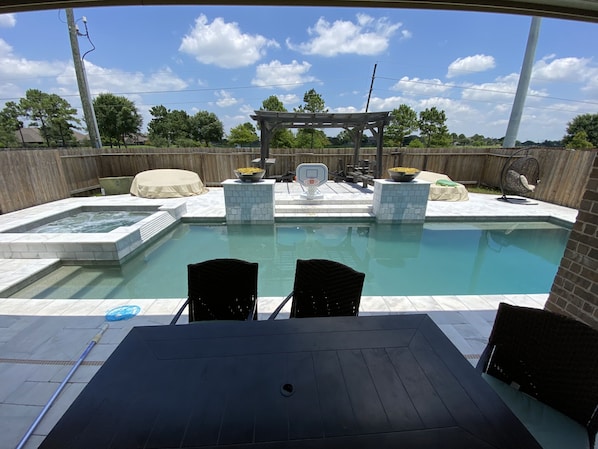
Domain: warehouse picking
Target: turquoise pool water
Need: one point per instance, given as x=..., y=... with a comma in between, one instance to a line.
x=91, y=222
x=430, y=259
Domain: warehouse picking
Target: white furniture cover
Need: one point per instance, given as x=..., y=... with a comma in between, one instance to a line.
x=443, y=192
x=167, y=183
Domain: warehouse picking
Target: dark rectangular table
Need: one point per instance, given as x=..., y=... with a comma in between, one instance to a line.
x=391, y=381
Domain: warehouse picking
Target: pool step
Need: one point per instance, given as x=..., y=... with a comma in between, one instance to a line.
x=324, y=209
x=61, y=276
x=326, y=200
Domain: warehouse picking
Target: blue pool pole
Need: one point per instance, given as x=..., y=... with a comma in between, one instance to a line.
x=92, y=343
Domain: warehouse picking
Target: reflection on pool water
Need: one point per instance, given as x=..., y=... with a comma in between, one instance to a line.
x=91, y=222
x=429, y=259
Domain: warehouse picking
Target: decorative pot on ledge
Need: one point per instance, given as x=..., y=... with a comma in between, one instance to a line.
x=403, y=174
x=250, y=174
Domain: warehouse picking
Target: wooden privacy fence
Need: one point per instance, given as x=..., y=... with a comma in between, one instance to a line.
x=32, y=177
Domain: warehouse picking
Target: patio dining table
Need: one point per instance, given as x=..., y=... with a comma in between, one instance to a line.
x=374, y=381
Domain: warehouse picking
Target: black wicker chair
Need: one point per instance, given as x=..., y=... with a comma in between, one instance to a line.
x=551, y=357
x=324, y=288
x=221, y=289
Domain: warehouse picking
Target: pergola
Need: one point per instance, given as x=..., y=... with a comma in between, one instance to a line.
x=354, y=123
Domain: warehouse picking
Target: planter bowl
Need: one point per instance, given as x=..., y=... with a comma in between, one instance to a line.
x=402, y=176
x=250, y=177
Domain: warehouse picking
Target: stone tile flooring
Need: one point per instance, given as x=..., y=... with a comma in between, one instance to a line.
x=40, y=340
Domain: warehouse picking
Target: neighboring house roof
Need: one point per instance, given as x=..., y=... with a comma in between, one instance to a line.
x=30, y=136
x=33, y=136
x=137, y=138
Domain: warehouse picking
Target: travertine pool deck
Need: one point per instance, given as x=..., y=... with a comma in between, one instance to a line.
x=40, y=340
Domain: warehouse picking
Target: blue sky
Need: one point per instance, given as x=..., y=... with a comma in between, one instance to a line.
x=227, y=60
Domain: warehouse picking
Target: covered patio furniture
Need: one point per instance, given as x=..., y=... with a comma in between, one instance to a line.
x=324, y=288
x=167, y=183
x=221, y=289
x=545, y=367
x=443, y=188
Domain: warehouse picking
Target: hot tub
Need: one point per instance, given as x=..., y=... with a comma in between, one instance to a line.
x=43, y=238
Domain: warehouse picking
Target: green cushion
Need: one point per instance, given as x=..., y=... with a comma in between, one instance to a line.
x=447, y=183
x=551, y=428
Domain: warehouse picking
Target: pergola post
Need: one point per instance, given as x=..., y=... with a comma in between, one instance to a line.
x=265, y=135
x=379, y=150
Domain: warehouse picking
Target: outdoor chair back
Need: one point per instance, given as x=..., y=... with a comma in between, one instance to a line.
x=221, y=289
x=550, y=357
x=324, y=288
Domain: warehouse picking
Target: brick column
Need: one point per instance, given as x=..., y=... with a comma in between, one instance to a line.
x=575, y=288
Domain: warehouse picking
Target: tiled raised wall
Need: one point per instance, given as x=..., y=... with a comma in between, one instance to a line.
x=249, y=202
x=400, y=201
x=575, y=288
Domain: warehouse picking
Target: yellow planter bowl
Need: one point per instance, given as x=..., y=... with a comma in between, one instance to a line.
x=250, y=174
x=403, y=174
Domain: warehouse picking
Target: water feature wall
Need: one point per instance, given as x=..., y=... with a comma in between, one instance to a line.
x=249, y=202
x=403, y=202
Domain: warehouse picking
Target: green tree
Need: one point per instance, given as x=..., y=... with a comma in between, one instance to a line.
x=169, y=127
x=415, y=143
x=583, y=122
x=61, y=116
x=281, y=137
x=432, y=127
x=243, y=134
x=402, y=123
x=345, y=137
x=9, y=124
x=580, y=141
x=314, y=103
x=117, y=118
x=206, y=127
x=311, y=138
x=157, y=128
x=52, y=114
x=273, y=103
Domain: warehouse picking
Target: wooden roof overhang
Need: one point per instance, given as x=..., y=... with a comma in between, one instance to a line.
x=355, y=123
x=582, y=10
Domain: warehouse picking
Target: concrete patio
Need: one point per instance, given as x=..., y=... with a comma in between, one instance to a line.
x=40, y=340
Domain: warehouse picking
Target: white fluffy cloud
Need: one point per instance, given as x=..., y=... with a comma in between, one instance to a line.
x=103, y=79
x=282, y=76
x=476, y=63
x=563, y=69
x=365, y=36
x=7, y=20
x=12, y=66
x=416, y=86
x=223, y=44
x=225, y=99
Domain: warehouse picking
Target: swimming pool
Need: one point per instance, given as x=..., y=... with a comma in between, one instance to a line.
x=398, y=259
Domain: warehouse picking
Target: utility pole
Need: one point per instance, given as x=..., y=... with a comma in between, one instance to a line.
x=359, y=134
x=367, y=106
x=86, y=103
x=523, y=85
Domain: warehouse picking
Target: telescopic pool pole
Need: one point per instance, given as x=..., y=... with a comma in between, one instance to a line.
x=92, y=343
